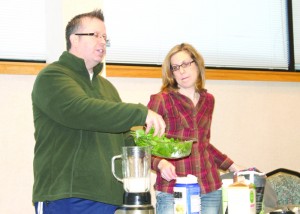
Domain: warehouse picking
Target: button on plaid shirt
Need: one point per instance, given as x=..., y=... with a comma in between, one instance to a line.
x=186, y=121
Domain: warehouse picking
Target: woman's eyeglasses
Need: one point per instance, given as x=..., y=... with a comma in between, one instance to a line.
x=184, y=65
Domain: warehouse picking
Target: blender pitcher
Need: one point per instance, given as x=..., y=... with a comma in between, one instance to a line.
x=136, y=172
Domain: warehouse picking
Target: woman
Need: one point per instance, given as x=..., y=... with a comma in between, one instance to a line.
x=187, y=109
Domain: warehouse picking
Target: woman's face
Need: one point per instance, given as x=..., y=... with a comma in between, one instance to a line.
x=185, y=70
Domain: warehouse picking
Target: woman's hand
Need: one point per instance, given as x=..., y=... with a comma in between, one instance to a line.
x=167, y=170
x=235, y=168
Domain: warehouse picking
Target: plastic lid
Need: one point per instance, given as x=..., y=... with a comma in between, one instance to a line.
x=189, y=179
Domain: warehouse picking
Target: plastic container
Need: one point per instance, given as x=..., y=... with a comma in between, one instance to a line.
x=187, y=195
x=170, y=147
x=177, y=150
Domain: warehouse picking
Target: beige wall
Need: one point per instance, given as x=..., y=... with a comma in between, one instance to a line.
x=255, y=123
x=16, y=126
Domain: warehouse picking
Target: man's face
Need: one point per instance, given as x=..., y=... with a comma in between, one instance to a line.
x=91, y=48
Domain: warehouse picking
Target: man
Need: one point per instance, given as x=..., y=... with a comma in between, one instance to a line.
x=80, y=124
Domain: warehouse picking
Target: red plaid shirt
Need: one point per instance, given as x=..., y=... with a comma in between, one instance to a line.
x=187, y=121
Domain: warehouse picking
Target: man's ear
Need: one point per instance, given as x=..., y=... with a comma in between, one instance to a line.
x=74, y=40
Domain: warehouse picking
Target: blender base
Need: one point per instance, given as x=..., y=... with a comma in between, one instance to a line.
x=136, y=203
x=144, y=209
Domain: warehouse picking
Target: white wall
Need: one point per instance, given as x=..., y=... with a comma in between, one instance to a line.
x=255, y=123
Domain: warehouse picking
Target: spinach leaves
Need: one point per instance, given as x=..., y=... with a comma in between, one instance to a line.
x=162, y=146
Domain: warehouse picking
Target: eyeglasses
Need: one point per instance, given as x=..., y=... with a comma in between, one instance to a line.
x=184, y=65
x=96, y=35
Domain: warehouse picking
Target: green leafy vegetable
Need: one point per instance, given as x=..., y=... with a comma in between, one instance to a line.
x=162, y=146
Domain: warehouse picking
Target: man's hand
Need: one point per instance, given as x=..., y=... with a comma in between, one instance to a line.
x=167, y=170
x=155, y=120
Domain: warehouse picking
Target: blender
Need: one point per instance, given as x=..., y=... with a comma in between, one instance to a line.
x=136, y=172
